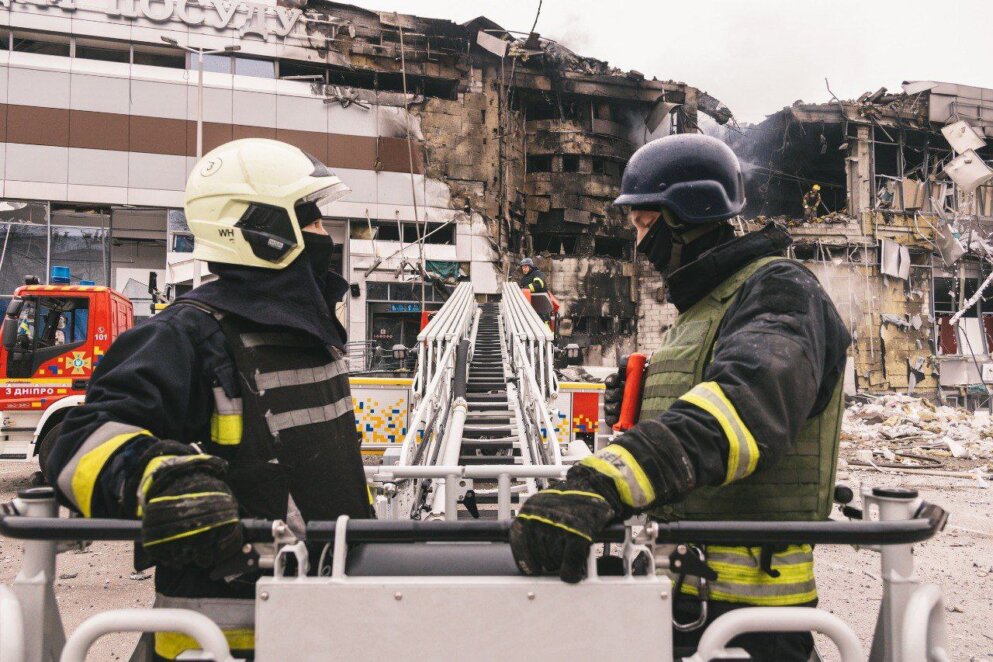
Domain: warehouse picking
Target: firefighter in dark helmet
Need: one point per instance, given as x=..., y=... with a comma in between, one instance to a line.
x=234, y=401
x=742, y=403
x=532, y=280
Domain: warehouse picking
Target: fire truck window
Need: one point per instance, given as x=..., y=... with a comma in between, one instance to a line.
x=26, y=325
x=61, y=321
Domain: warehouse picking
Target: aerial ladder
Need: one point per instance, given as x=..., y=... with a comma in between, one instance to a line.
x=481, y=434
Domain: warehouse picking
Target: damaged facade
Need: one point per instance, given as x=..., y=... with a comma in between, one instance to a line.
x=900, y=234
x=466, y=147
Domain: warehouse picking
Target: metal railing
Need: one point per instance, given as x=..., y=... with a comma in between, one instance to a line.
x=910, y=628
x=434, y=379
x=443, y=333
x=358, y=354
x=449, y=476
x=521, y=322
x=529, y=347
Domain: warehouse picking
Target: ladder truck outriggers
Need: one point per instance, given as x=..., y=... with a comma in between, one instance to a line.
x=434, y=579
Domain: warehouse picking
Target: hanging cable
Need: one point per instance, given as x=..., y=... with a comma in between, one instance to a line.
x=535, y=24
x=410, y=157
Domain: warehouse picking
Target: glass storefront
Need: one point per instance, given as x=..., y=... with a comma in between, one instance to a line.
x=111, y=246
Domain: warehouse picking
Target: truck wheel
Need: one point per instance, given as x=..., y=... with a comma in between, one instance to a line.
x=45, y=447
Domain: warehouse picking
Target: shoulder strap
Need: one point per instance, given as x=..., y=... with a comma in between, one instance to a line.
x=730, y=286
x=201, y=306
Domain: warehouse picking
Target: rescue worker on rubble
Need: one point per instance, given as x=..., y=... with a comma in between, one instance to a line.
x=742, y=404
x=232, y=402
x=532, y=279
x=811, y=202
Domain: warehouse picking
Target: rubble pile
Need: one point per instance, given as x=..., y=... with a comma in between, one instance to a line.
x=900, y=431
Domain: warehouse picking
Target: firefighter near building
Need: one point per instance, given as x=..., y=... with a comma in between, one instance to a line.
x=741, y=410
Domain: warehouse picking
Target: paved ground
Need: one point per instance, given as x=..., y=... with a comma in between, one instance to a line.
x=95, y=580
x=961, y=561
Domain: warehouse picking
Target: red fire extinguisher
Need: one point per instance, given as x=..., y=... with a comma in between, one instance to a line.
x=631, y=401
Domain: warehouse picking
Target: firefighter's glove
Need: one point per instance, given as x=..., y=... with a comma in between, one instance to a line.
x=188, y=514
x=613, y=396
x=556, y=527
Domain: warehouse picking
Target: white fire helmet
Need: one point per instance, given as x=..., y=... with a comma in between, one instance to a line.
x=243, y=198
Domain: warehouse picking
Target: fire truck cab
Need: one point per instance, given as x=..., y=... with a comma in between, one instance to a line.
x=53, y=336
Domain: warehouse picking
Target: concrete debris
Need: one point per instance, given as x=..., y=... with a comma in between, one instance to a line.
x=576, y=374
x=903, y=431
x=68, y=575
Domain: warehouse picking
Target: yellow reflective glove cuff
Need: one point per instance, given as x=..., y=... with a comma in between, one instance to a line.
x=632, y=484
x=154, y=465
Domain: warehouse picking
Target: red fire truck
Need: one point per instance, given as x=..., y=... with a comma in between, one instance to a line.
x=53, y=336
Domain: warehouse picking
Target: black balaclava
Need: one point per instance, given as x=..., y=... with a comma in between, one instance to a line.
x=318, y=247
x=669, y=247
x=300, y=296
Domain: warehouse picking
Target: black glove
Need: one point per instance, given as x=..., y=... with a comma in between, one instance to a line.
x=556, y=527
x=614, y=393
x=189, y=515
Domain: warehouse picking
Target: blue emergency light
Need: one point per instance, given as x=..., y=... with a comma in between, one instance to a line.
x=60, y=275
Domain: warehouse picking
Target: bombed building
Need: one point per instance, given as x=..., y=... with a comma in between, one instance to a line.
x=466, y=146
x=898, y=230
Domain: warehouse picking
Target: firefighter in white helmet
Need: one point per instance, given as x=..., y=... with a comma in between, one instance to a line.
x=234, y=401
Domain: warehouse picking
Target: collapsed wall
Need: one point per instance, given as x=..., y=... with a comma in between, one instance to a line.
x=899, y=233
x=528, y=140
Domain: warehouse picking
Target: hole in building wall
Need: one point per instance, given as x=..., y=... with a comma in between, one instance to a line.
x=554, y=243
x=611, y=247
x=538, y=163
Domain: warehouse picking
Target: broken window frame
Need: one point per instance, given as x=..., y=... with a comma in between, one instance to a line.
x=438, y=234
x=966, y=285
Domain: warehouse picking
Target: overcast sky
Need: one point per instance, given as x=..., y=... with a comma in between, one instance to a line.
x=757, y=55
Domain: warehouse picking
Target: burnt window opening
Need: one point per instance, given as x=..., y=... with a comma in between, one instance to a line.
x=548, y=107
x=541, y=110
x=805, y=251
x=611, y=247
x=603, y=326
x=974, y=332
x=948, y=291
x=536, y=163
x=369, y=80
x=441, y=88
x=777, y=177
x=294, y=69
x=609, y=167
x=393, y=82
x=554, y=243
x=437, y=233
x=570, y=163
x=900, y=160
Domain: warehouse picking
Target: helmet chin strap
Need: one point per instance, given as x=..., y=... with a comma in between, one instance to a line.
x=682, y=236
